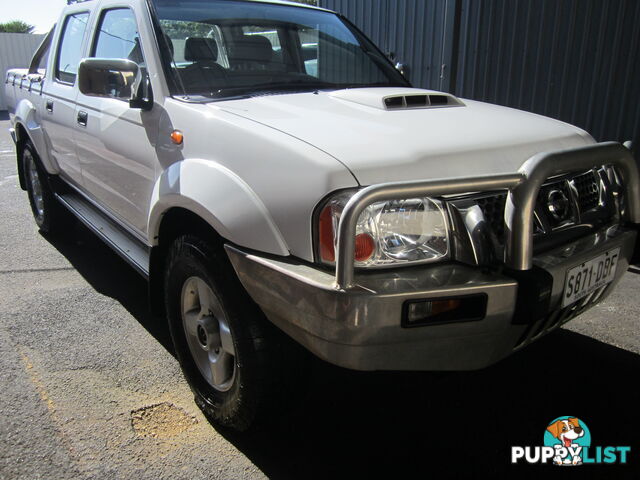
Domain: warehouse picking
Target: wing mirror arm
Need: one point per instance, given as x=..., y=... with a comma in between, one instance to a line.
x=116, y=78
x=142, y=97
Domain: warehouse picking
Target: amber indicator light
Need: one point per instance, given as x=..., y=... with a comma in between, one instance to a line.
x=177, y=137
x=365, y=246
x=419, y=313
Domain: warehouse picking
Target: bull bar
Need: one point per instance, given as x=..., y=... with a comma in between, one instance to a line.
x=523, y=188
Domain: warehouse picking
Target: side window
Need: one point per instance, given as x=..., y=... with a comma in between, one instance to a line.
x=42, y=60
x=39, y=60
x=177, y=32
x=270, y=34
x=309, y=44
x=70, y=48
x=118, y=37
x=258, y=48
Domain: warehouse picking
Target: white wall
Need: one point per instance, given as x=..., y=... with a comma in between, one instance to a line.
x=16, y=50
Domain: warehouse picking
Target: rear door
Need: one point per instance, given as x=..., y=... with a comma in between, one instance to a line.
x=116, y=142
x=60, y=92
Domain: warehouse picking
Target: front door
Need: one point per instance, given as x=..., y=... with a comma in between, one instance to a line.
x=115, y=142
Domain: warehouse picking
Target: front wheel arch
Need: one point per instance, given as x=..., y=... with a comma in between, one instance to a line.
x=175, y=223
x=269, y=367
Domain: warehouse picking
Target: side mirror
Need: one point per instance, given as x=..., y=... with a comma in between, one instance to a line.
x=403, y=68
x=115, y=78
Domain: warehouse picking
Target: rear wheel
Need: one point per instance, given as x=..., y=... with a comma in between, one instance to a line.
x=47, y=211
x=238, y=365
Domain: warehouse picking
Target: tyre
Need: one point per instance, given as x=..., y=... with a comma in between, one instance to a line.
x=236, y=362
x=47, y=211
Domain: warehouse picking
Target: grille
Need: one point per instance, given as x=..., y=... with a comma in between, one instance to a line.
x=586, y=184
x=588, y=188
x=542, y=201
x=493, y=211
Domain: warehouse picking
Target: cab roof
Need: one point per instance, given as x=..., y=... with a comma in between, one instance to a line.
x=277, y=2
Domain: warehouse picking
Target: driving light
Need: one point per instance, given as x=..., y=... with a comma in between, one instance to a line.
x=418, y=313
x=388, y=233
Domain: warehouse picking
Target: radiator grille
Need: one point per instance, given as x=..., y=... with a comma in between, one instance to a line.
x=588, y=188
x=587, y=198
x=543, y=198
x=493, y=210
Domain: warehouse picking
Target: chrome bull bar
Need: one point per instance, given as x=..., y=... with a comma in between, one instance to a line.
x=523, y=188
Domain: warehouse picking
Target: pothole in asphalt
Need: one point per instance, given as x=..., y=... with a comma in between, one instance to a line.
x=162, y=420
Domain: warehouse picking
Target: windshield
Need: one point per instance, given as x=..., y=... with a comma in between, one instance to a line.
x=227, y=48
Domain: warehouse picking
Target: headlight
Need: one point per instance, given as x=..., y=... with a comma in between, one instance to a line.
x=405, y=231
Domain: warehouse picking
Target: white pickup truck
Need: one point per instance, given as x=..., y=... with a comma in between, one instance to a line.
x=262, y=163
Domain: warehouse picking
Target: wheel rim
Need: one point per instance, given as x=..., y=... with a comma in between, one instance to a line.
x=36, y=187
x=208, y=334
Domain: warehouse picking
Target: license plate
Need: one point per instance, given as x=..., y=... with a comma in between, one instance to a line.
x=589, y=276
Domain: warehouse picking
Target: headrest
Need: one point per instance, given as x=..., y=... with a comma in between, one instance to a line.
x=255, y=48
x=197, y=49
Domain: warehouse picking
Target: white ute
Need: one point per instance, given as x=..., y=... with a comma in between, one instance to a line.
x=275, y=178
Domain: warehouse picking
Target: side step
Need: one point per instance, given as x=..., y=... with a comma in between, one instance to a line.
x=129, y=248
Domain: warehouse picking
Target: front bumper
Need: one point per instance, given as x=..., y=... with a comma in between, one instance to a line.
x=360, y=327
x=354, y=319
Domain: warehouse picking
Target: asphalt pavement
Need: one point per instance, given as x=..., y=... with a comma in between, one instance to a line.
x=90, y=388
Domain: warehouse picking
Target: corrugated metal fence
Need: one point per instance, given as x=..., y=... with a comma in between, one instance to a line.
x=16, y=50
x=412, y=30
x=575, y=60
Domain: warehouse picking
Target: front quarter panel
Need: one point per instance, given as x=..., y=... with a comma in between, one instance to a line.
x=221, y=198
x=257, y=186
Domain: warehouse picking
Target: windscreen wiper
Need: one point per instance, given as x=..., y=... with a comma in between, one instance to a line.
x=284, y=87
x=290, y=87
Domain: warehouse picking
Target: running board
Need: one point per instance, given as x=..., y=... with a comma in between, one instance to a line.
x=130, y=249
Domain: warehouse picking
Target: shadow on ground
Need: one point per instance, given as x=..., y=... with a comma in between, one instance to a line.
x=110, y=275
x=414, y=425
x=418, y=425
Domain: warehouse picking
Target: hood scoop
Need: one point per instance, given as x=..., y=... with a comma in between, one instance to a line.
x=398, y=99
x=433, y=100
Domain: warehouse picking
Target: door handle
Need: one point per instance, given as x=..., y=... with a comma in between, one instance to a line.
x=82, y=118
x=49, y=106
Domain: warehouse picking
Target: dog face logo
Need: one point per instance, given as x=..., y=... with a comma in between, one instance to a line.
x=566, y=430
x=567, y=435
